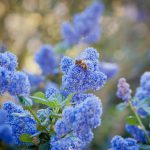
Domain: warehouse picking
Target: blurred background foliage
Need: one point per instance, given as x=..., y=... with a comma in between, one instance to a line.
x=125, y=40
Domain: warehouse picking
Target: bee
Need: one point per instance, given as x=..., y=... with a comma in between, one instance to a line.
x=81, y=63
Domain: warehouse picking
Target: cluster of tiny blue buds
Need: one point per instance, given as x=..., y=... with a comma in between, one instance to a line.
x=124, y=91
x=85, y=26
x=67, y=143
x=46, y=59
x=119, y=143
x=12, y=81
x=8, y=61
x=19, y=84
x=5, y=129
x=143, y=93
x=19, y=125
x=137, y=133
x=80, y=120
x=83, y=73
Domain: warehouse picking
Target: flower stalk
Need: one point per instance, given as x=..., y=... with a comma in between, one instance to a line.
x=139, y=120
x=36, y=118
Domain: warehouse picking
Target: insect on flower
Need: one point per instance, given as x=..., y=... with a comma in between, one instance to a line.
x=81, y=63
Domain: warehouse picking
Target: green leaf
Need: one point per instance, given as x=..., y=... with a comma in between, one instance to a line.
x=39, y=100
x=121, y=106
x=25, y=101
x=132, y=120
x=44, y=101
x=69, y=98
x=25, y=138
x=144, y=147
x=53, y=115
x=40, y=95
x=54, y=104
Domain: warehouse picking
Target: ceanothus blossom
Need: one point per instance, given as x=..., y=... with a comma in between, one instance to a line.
x=83, y=73
x=84, y=27
x=19, y=125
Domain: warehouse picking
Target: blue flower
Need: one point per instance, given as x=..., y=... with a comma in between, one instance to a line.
x=69, y=34
x=144, y=78
x=68, y=115
x=5, y=77
x=144, y=89
x=2, y=116
x=142, y=94
x=124, y=91
x=19, y=84
x=6, y=134
x=80, y=97
x=137, y=133
x=83, y=74
x=89, y=54
x=79, y=120
x=46, y=59
x=51, y=92
x=8, y=64
x=67, y=143
x=19, y=125
x=8, y=61
x=66, y=62
x=85, y=134
x=88, y=113
x=5, y=130
x=16, y=83
x=85, y=26
x=61, y=128
x=119, y=143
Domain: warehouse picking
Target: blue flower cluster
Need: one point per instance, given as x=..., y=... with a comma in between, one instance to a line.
x=77, y=123
x=52, y=93
x=143, y=93
x=85, y=27
x=124, y=91
x=8, y=61
x=74, y=129
x=20, y=125
x=137, y=133
x=46, y=59
x=12, y=81
x=19, y=84
x=67, y=143
x=80, y=97
x=5, y=130
x=83, y=73
x=119, y=143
